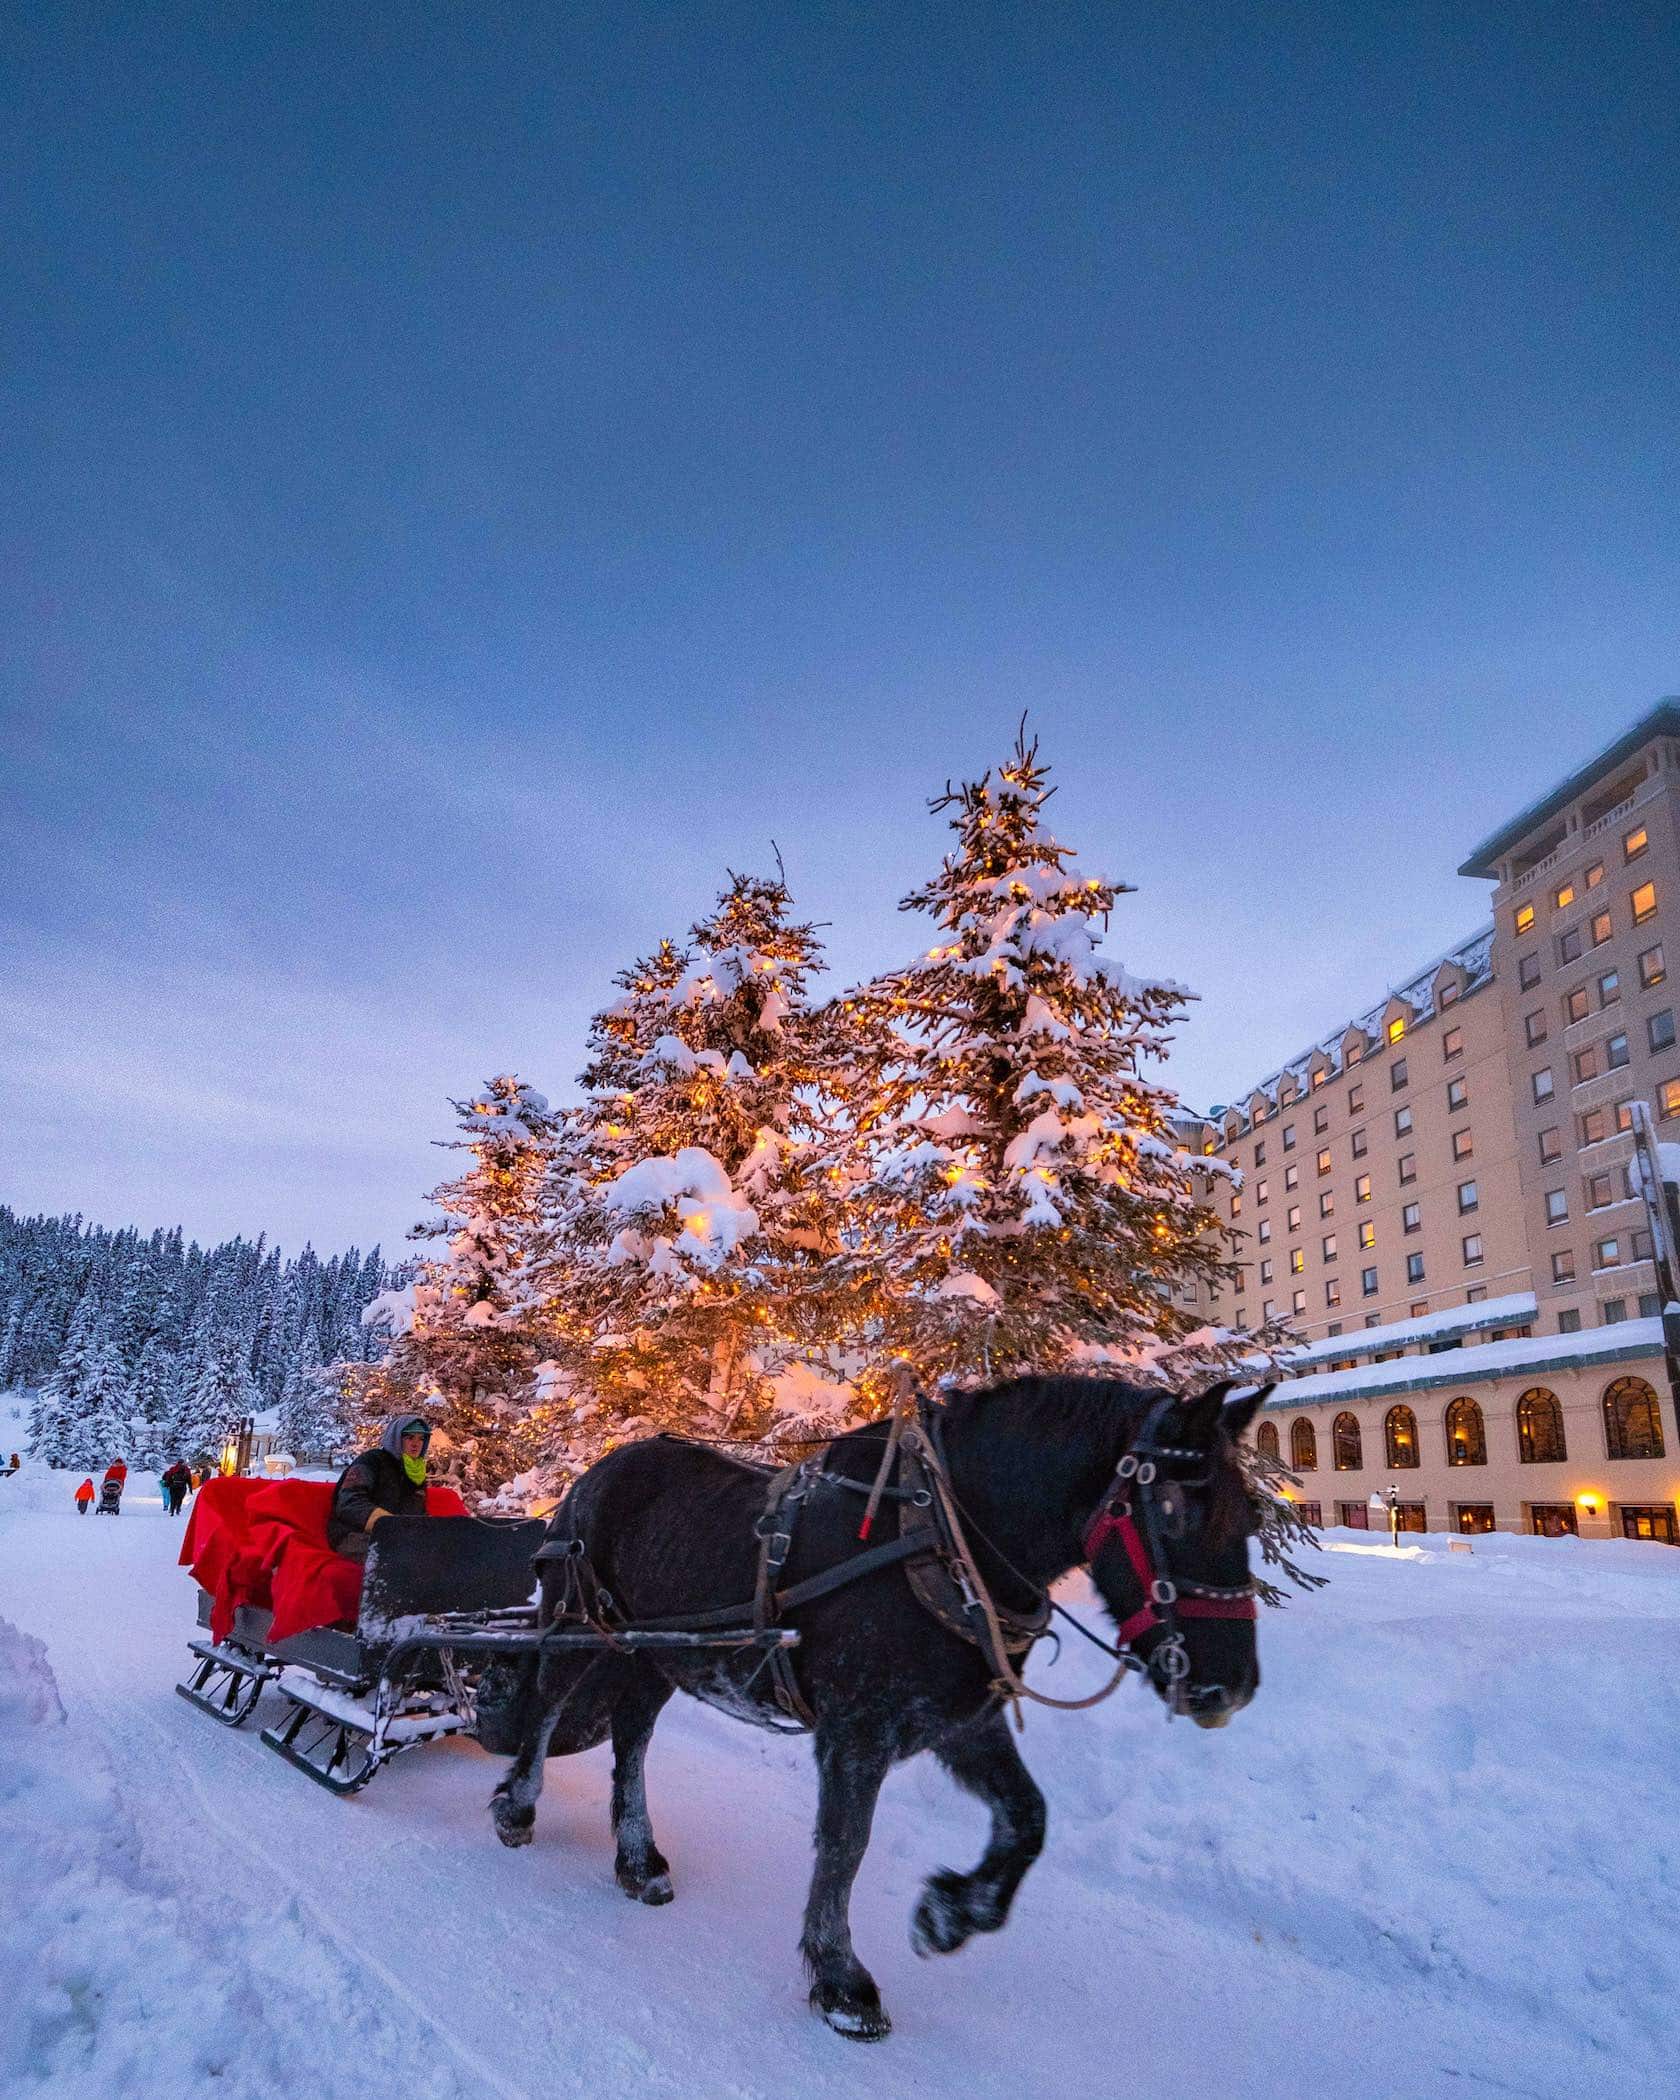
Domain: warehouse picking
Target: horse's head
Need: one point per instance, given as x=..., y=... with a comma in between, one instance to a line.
x=1168, y=1549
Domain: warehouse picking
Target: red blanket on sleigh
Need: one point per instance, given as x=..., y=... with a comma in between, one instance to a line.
x=264, y=1543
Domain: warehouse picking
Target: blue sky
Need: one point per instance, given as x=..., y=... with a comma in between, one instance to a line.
x=474, y=473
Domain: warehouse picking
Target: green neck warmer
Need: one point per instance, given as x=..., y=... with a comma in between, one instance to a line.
x=415, y=1468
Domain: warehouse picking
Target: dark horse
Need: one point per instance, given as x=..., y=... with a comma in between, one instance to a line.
x=1036, y=1468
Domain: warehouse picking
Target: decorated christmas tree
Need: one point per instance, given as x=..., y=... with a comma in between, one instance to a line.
x=686, y=1284
x=1014, y=1196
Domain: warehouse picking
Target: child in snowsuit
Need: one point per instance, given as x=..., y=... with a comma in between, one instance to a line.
x=84, y=1496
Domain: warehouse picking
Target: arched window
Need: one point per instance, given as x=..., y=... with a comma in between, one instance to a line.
x=1540, y=1439
x=1466, y=1435
x=1344, y=1444
x=1303, y=1445
x=1401, y=1437
x=1632, y=1420
x=1266, y=1439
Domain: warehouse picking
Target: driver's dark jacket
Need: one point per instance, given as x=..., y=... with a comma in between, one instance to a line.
x=376, y=1480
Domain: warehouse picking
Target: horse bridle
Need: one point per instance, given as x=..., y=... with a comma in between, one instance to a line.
x=1132, y=1512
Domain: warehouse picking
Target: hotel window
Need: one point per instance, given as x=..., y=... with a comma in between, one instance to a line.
x=1634, y=842
x=1333, y=1292
x=1447, y=995
x=1467, y=1440
x=1345, y=1453
x=1575, y=1004
x=1651, y=970
x=1452, y=1045
x=1528, y=971
x=1411, y=1218
x=1475, y=1295
x=1414, y=1268
x=1265, y=1273
x=1291, y=1178
x=1289, y=1137
x=1397, y=1028
x=1328, y=1244
x=1624, y=1116
x=1650, y=1305
x=1260, y=1188
x=1263, y=1232
x=1303, y=1446
x=1260, y=1154
x=1659, y=1029
x=1458, y=1094
x=1355, y=1050
x=1367, y=1235
x=1402, y=1122
x=1408, y=1169
x=1540, y=1083
x=1595, y=1127
x=1397, y=1075
x=1525, y=917
x=1601, y=927
x=1356, y=1100
x=1236, y=1205
x=1540, y=1439
x=1324, y=1159
x=1569, y=1321
x=1371, y=1320
x=1563, y=1265
x=1268, y=1309
x=1595, y=875
x=1642, y=1247
x=1469, y=1197
x=1463, y=1144
x=1358, y=1144
x=1320, y=1075
x=1292, y=1218
x=1584, y=1065
x=1367, y=1283
x=1557, y=1206
x=1610, y=988
x=1632, y=1420
x=1297, y=1261
x=1551, y=1146
x=1401, y=1438
x=1563, y=896
x=1607, y=1253
x=1599, y=1191
x=1298, y=1303
x=1321, y=1121
x=1612, y=1312
x=1534, y=1027
x=1327, y=1203
x=1362, y=1189
x=1616, y=1053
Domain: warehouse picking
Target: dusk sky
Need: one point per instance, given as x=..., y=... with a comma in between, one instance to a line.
x=473, y=474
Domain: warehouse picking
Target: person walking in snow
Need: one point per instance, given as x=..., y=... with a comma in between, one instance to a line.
x=388, y=1481
x=84, y=1498
x=174, y=1484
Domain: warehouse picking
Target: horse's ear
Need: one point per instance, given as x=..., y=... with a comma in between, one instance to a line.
x=1239, y=1413
x=1201, y=1414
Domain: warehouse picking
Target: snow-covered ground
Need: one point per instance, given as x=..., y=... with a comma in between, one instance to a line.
x=1439, y=1854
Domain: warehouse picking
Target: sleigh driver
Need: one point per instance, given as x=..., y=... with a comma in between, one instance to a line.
x=388, y=1481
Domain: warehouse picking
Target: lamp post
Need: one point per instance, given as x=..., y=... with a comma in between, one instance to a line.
x=1394, y=1516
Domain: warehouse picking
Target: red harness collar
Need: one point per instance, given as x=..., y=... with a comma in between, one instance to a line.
x=1115, y=1520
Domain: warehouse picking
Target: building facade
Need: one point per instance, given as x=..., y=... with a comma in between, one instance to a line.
x=1458, y=1197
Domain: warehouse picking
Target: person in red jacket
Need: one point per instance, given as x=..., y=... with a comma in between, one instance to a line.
x=84, y=1497
x=117, y=1470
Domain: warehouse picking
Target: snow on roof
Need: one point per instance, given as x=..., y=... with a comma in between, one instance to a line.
x=1533, y=1353
x=1473, y=956
x=267, y=1423
x=1451, y=1319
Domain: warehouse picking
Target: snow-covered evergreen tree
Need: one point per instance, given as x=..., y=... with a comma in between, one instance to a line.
x=1014, y=1196
x=684, y=1275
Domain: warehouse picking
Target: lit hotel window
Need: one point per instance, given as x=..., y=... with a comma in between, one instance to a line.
x=1563, y=897
x=1397, y=1027
x=1644, y=903
x=1634, y=842
x=1525, y=917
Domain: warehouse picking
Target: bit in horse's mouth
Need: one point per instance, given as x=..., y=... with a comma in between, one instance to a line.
x=1217, y=1720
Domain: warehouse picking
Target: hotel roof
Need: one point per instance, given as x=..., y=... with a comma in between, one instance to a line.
x=1663, y=720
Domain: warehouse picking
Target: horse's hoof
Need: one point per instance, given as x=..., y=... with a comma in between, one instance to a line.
x=942, y=1921
x=857, y=2020
x=657, y=1891
x=514, y=1826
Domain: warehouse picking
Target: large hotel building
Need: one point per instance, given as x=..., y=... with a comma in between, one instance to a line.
x=1459, y=1198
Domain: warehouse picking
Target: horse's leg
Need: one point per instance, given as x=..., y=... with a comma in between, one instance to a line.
x=850, y=1769
x=643, y=1871
x=983, y=1759
x=513, y=1806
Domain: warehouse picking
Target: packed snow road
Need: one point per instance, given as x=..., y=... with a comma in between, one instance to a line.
x=1439, y=1854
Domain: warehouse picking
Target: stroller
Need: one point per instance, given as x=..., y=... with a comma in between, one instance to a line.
x=110, y=1499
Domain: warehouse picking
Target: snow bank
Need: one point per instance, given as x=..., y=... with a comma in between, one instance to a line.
x=113, y=1983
